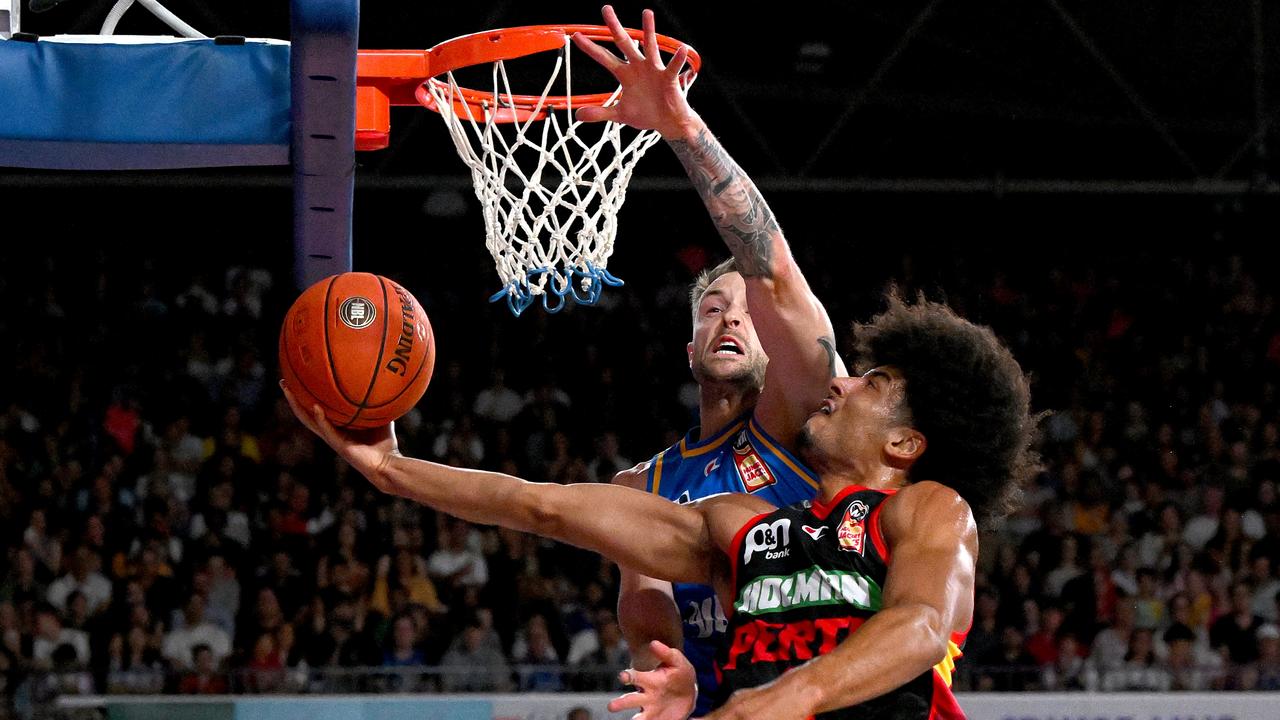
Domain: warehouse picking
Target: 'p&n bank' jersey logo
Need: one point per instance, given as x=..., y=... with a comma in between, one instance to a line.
x=771, y=538
x=753, y=471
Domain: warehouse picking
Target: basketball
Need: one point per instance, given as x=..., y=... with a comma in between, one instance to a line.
x=358, y=345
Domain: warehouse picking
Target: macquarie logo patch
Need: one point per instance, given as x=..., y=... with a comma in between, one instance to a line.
x=852, y=534
x=357, y=313
x=808, y=588
x=768, y=538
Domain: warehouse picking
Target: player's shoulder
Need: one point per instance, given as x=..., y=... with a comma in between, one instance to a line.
x=635, y=477
x=928, y=506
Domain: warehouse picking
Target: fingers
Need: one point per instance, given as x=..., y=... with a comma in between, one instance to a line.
x=668, y=655
x=597, y=114
x=606, y=59
x=630, y=701
x=677, y=62
x=620, y=36
x=650, y=39
x=302, y=415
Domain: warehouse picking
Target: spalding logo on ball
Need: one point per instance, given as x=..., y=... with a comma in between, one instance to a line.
x=359, y=346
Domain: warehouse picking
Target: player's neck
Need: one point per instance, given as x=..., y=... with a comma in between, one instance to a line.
x=832, y=482
x=719, y=405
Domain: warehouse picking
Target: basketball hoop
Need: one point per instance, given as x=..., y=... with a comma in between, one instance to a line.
x=550, y=189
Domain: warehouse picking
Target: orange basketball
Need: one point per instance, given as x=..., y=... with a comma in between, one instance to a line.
x=360, y=346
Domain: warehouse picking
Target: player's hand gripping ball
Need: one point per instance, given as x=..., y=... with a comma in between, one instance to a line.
x=360, y=346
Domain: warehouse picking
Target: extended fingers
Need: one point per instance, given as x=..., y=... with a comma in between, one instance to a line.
x=677, y=62
x=620, y=36
x=606, y=59
x=302, y=414
x=668, y=655
x=650, y=39
x=597, y=114
x=630, y=701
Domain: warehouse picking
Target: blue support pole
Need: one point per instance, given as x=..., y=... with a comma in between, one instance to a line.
x=323, y=80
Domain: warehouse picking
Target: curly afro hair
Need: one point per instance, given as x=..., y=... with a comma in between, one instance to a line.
x=966, y=393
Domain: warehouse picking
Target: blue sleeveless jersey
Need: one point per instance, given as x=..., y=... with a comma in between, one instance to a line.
x=742, y=458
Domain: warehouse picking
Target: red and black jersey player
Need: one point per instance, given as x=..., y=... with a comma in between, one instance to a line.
x=848, y=606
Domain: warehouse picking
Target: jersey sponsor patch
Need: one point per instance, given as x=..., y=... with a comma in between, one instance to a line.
x=852, y=533
x=767, y=537
x=753, y=471
x=812, y=587
x=755, y=474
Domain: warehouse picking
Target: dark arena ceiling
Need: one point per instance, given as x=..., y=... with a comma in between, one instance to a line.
x=935, y=95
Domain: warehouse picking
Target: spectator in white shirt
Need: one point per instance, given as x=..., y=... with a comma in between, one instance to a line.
x=181, y=641
x=51, y=635
x=1189, y=669
x=1265, y=585
x=1201, y=528
x=1112, y=643
x=1140, y=671
x=85, y=577
x=455, y=564
x=498, y=403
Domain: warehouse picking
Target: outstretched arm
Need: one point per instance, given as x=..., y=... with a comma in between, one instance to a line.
x=792, y=324
x=646, y=609
x=652, y=535
x=928, y=594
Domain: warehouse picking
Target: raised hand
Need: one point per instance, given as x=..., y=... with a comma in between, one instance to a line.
x=367, y=451
x=667, y=692
x=652, y=97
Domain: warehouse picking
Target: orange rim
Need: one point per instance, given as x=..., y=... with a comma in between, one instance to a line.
x=510, y=43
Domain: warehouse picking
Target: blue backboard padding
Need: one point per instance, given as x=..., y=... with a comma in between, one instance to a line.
x=168, y=99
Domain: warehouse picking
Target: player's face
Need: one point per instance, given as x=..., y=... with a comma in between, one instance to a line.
x=725, y=347
x=852, y=424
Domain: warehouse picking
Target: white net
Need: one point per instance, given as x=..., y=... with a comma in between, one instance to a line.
x=550, y=197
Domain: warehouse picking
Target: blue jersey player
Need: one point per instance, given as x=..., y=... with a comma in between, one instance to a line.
x=763, y=353
x=742, y=458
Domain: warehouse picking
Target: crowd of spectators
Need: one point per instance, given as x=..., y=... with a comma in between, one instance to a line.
x=169, y=527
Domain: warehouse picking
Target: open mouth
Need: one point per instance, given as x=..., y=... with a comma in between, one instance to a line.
x=827, y=407
x=729, y=346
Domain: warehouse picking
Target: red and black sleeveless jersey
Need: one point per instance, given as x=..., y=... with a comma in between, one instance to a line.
x=807, y=576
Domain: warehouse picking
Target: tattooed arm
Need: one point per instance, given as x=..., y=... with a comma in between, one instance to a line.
x=792, y=325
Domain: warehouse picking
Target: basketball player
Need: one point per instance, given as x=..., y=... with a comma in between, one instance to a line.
x=763, y=353
x=852, y=605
